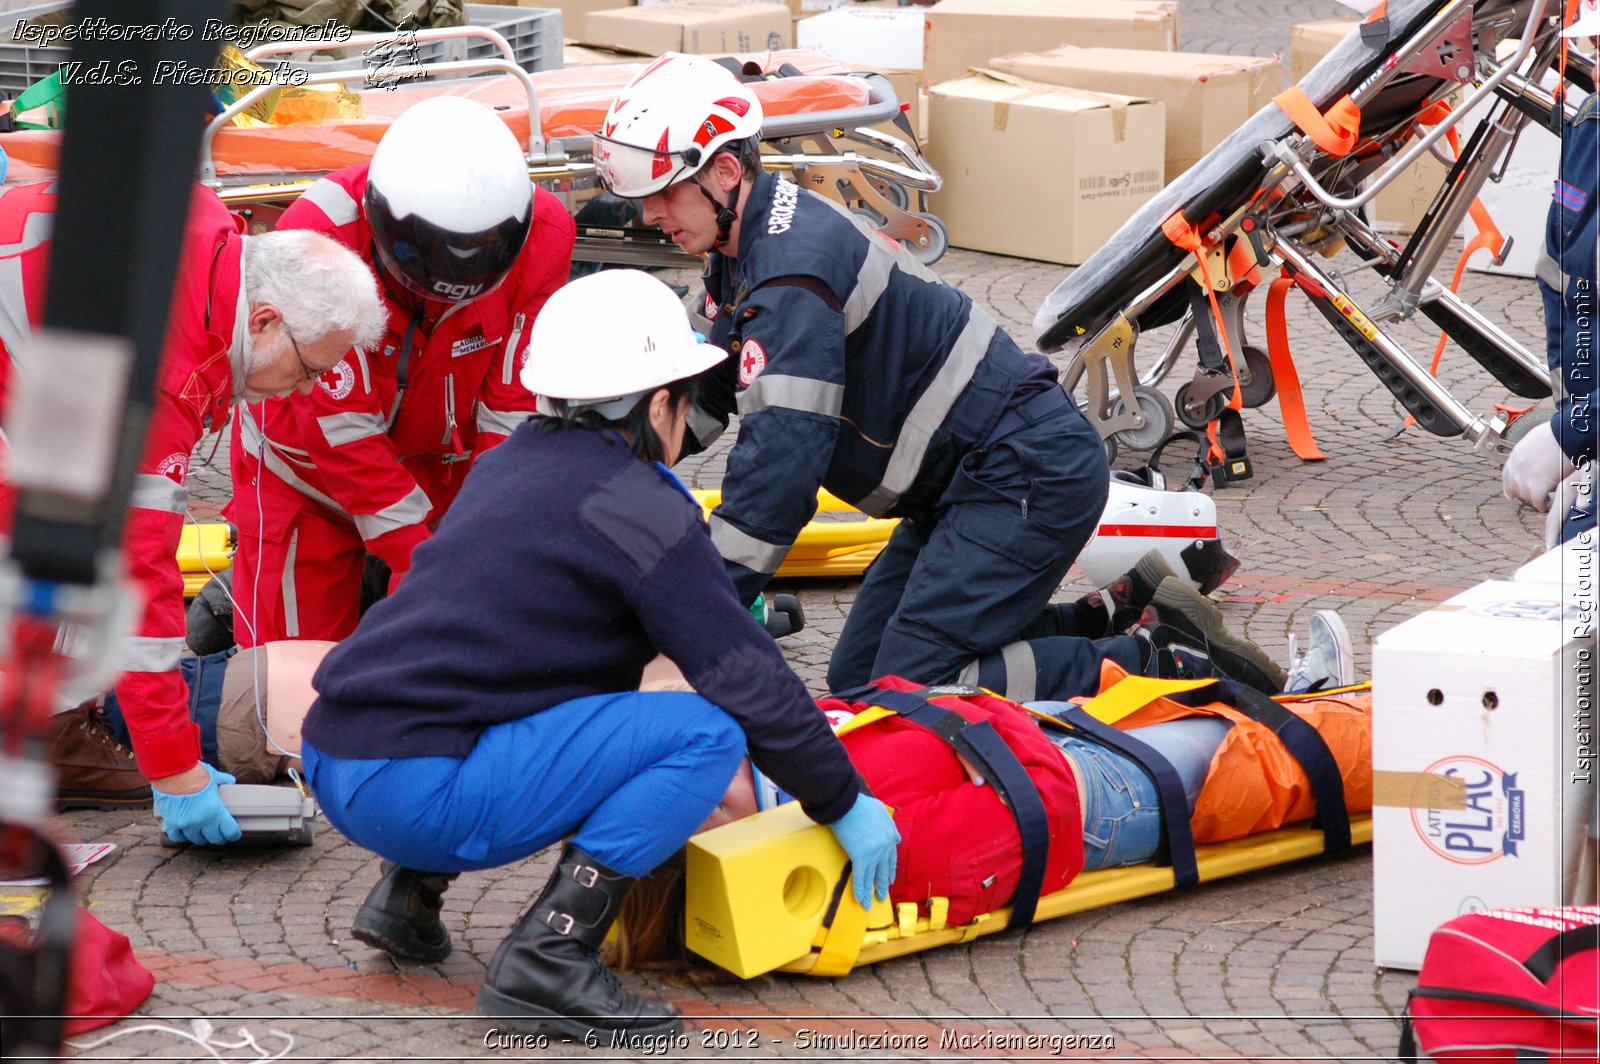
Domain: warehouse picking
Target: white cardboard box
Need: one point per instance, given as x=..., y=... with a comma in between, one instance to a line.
x=1573, y=565
x=876, y=37
x=1488, y=697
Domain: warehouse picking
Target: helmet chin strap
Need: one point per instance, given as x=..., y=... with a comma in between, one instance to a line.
x=727, y=213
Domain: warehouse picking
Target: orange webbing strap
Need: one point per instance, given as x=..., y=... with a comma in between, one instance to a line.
x=1291, y=402
x=1378, y=12
x=1183, y=235
x=1335, y=132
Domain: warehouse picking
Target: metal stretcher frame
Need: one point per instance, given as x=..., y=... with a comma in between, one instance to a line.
x=1271, y=185
x=887, y=183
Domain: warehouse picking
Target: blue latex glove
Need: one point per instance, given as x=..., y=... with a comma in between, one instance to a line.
x=868, y=835
x=200, y=819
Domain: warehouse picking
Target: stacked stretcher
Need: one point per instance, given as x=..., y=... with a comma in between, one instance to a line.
x=1292, y=185
x=820, y=120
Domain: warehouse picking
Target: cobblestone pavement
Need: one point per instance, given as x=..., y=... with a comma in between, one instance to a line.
x=1268, y=966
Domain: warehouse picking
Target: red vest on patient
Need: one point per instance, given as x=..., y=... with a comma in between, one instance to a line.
x=958, y=840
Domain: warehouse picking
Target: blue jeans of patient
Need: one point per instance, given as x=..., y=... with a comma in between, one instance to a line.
x=1121, y=808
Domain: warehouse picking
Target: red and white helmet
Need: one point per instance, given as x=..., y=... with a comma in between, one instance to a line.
x=1587, y=22
x=668, y=122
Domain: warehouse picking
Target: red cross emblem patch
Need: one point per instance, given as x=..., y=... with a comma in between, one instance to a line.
x=752, y=360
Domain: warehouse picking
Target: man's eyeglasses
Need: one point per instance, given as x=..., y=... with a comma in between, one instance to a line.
x=306, y=372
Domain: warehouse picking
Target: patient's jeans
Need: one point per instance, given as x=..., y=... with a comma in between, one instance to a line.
x=1121, y=808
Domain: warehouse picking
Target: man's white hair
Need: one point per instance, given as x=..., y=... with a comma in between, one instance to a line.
x=320, y=285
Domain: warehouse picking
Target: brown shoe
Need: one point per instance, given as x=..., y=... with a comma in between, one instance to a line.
x=93, y=770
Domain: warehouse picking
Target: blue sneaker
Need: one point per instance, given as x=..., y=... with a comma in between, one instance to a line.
x=1328, y=661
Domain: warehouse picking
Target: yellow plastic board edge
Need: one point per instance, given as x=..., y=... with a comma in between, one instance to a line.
x=827, y=548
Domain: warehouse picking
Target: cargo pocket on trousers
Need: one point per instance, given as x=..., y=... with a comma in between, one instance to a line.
x=1001, y=529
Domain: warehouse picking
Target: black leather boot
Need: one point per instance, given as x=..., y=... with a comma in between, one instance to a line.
x=548, y=971
x=401, y=915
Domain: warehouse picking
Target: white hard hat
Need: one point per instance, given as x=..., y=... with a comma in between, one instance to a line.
x=1587, y=22
x=605, y=340
x=669, y=121
x=448, y=199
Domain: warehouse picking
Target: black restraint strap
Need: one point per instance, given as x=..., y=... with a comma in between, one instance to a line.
x=1177, y=836
x=1305, y=745
x=1544, y=961
x=980, y=744
x=1205, y=329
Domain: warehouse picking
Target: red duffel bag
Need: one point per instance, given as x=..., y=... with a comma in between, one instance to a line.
x=1508, y=984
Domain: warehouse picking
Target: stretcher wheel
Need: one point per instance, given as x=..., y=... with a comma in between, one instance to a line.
x=1109, y=445
x=1259, y=388
x=1197, y=417
x=896, y=194
x=1158, y=418
x=1526, y=423
x=938, y=240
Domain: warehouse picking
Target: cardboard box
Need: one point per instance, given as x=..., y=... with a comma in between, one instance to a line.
x=1572, y=565
x=576, y=55
x=1483, y=751
x=908, y=90
x=696, y=27
x=1096, y=157
x=969, y=33
x=876, y=37
x=1310, y=41
x=1207, y=96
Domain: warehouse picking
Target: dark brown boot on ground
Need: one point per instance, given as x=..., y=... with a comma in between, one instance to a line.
x=93, y=770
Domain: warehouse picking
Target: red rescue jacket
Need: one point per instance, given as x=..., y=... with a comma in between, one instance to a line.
x=957, y=838
x=387, y=461
x=194, y=391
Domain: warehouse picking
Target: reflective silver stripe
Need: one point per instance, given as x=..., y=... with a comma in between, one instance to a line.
x=145, y=653
x=411, y=510
x=1550, y=272
x=340, y=429
x=291, y=595
x=504, y=422
x=254, y=443
x=969, y=675
x=509, y=364
x=792, y=393
x=335, y=201
x=366, y=374
x=871, y=282
x=752, y=553
x=15, y=329
x=152, y=491
x=929, y=413
x=1022, y=672
x=705, y=428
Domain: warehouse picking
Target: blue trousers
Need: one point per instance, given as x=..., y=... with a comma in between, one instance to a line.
x=630, y=776
x=963, y=585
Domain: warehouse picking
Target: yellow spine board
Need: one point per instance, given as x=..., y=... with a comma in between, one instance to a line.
x=827, y=548
x=1094, y=890
x=758, y=890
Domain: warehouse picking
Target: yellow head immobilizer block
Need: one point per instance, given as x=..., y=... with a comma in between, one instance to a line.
x=758, y=889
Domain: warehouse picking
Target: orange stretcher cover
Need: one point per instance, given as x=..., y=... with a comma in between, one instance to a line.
x=572, y=103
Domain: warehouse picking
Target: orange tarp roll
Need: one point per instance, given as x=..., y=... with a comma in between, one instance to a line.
x=571, y=103
x=1254, y=783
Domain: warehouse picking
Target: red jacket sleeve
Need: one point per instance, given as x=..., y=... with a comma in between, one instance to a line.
x=154, y=698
